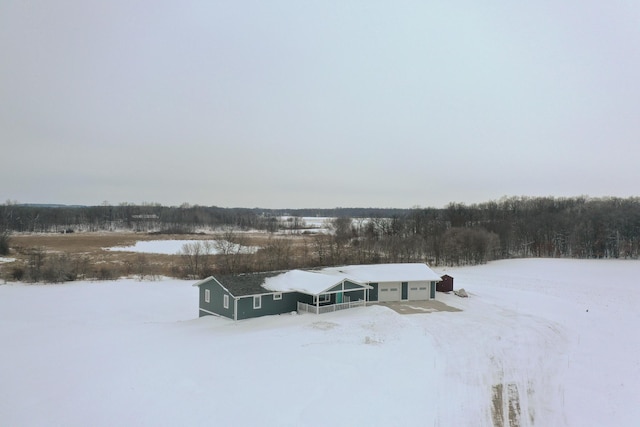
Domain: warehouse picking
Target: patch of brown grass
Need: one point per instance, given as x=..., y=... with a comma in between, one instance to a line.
x=92, y=247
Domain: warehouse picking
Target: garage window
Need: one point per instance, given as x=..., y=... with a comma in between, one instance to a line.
x=277, y=296
x=414, y=289
x=207, y=295
x=423, y=289
x=225, y=301
x=257, y=302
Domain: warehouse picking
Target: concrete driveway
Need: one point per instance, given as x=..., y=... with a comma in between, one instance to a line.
x=413, y=307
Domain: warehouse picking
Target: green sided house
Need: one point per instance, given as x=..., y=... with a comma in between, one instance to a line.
x=244, y=296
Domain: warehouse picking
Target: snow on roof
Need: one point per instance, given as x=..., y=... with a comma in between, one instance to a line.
x=315, y=282
x=405, y=272
x=311, y=282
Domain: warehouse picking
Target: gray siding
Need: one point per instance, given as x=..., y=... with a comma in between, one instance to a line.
x=269, y=306
x=216, y=300
x=351, y=285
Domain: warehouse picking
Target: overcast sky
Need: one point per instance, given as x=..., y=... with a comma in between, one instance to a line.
x=318, y=103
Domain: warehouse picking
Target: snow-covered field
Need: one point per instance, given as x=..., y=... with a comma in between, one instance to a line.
x=540, y=342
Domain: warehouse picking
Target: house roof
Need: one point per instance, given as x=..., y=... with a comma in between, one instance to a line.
x=245, y=284
x=316, y=282
x=308, y=282
x=374, y=273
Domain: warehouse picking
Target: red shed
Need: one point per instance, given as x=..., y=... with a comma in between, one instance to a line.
x=446, y=285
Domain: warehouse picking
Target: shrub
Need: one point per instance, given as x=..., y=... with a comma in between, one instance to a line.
x=17, y=273
x=4, y=243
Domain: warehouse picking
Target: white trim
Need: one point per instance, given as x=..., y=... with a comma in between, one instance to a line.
x=207, y=296
x=257, y=298
x=225, y=301
x=203, y=281
x=277, y=296
x=325, y=298
x=212, y=313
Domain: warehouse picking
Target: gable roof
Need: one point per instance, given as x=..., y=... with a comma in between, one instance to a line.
x=239, y=285
x=308, y=282
x=374, y=273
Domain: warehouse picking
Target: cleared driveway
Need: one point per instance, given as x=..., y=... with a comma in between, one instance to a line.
x=413, y=307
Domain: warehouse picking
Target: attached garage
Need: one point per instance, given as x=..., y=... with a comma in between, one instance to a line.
x=389, y=292
x=393, y=282
x=419, y=291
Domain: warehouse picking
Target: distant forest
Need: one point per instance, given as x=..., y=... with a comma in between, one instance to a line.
x=578, y=227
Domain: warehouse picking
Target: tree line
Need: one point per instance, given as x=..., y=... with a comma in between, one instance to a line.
x=459, y=234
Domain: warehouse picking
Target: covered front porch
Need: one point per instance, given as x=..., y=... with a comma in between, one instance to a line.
x=328, y=308
x=346, y=294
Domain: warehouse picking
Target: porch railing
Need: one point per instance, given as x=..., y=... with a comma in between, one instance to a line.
x=302, y=307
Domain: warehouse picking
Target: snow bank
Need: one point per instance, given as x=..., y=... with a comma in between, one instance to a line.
x=525, y=351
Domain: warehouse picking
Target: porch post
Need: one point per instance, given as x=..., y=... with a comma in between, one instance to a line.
x=318, y=304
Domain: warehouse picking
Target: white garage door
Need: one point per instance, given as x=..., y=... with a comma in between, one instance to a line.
x=389, y=292
x=418, y=292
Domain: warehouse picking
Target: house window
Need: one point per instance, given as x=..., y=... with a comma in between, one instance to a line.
x=225, y=301
x=207, y=295
x=277, y=296
x=257, y=301
x=323, y=298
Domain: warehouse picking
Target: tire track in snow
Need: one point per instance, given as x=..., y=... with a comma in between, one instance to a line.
x=509, y=406
x=509, y=377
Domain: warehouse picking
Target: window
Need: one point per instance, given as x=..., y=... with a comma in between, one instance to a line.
x=414, y=289
x=277, y=296
x=257, y=301
x=225, y=301
x=323, y=298
x=207, y=295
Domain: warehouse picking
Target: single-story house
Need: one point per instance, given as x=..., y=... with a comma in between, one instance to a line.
x=244, y=296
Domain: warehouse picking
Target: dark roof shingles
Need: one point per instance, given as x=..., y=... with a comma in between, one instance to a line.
x=246, y=284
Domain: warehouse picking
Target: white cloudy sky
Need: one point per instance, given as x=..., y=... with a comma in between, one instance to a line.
x=318, y=103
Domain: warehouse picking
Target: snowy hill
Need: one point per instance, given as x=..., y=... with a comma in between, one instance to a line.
x=524, y=351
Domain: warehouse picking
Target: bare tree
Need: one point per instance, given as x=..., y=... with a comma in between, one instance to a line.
x=230, y=250
x=197, y=256
x=5, y=238
x=35, y=263
x=277, y=253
